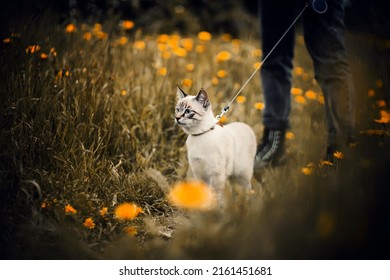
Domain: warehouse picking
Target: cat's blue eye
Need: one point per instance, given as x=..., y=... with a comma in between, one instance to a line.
x=187, y=111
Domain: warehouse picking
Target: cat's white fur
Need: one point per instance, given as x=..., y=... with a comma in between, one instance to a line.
x=215, y=152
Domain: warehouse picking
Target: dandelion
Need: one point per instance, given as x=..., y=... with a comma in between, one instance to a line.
x=89, y=223
x=200, y=48
x=381, y=103
x=127, y=211
x=226, y=37
x=298, y=71
x=139, y=45
x=222, y=73
x=321, y=99
x=53, y=52
x=127, y=24
x=7, y=40
x=122, y=40
x=290, y=135
x=43, y=205
x=310, y=94
x=371, y=93
x=307, y=170
x=187, y=44
x=300, y=99
x=338, y=155
x=97, y=27
x=186, y=82
x=70, y=210
x=195, y=195
x=123, y=92
x=296, y=91
x=326, y=163
x=214, y=81
x=190, y=67
x=256, y=65
x=257, y=53
x=131, y=231
x=100, y=35
x=87, y=36
x=385, y=117
x=241, y=99
x=162, y=71
x=70, y=28
x=259, y=105
x=204, y=36
x=162, y=38
x=103, y=211
x=43, y=56
x=180, y=52
x=223, y=56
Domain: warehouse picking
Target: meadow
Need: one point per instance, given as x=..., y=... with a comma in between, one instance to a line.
x=90, y=154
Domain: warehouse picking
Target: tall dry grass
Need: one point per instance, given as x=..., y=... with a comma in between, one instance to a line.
x=86, y=121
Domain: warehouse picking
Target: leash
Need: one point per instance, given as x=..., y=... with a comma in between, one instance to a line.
x=320, y=6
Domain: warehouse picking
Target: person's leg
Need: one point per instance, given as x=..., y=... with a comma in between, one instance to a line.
x=275, y=18
x=324, y=38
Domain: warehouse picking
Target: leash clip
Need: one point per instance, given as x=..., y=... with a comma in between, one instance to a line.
x=223, y=112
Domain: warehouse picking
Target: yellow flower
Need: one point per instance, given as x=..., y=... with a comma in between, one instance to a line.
x=310, y=94
x=87, y=36
x=222, y=73
x=97, y=27
x=122, y=40
x=290, y=135
x=307, y=170
x=162, y=38
x=257, y=53
x=326, y=162
x=187, y=44
x=214, y=81
x=43, y=56
x=200, y=48
x=165, y=55
x=256, y=65
x=190, y=67
x=385, y=117
x=89, y=223
x=139, y=45
x=180, y=52
x=43, y=205
x=298, y=71
x=296, y=91
x=204, y=36
x=223, y=56
x=131, y=231
x=103, y=211
x=300, y=99
x=162, y=71
x=338, y=155
x=226, y=37
x=381, y=103
x=70, y=210
x=127, y=24
x=371, y=93
x=259, y=105
x=100, y=35
x=195, y=195
x=123, y=92
x=186, y=82
x=70, y=28
x=7, y=40
x=241, y=99
x=127, y=211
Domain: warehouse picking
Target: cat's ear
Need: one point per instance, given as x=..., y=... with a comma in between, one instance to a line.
x=203, y=98
x=180, y=93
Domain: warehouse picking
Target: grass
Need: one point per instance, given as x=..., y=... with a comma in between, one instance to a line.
x=87, y=121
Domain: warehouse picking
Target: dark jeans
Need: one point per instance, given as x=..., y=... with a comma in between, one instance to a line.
x=324, y=39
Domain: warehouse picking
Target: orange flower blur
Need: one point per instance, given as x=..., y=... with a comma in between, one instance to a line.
x=192, y=195
x=127, y=211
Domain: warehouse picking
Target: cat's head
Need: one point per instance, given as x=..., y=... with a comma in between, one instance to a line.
x=192, y=111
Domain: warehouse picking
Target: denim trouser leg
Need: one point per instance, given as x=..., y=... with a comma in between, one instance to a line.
x=276, y=17
x=324, y=38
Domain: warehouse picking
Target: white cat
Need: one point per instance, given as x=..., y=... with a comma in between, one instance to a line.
x=215, y=152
